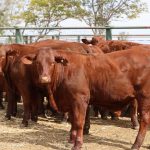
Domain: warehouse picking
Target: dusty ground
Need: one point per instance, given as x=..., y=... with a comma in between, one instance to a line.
x=48, y=135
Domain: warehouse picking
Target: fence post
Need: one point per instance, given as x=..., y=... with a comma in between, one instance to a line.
x=18, y=35
x=79, y=38
x=108, y=33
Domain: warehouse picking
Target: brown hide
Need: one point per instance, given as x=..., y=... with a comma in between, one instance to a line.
x=135, y=64
x=18, y=80
x=13, y=53
x=109, y=45
x=70, y=46
x=76, y=78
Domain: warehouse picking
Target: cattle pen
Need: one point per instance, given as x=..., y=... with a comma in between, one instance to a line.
x=49, y=133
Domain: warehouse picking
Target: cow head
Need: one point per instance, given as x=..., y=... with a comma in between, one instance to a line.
x=43, y=63
x=95, y=40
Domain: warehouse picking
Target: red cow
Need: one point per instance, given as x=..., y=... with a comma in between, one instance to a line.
x=109, y=45
x=69, y=46
x=77, y=79
x=13, y=53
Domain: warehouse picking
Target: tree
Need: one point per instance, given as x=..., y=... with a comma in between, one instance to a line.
x=102, y=12
x=8, y=9
x=49, y=13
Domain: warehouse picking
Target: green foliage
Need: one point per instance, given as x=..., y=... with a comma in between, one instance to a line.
x=51, y=12
x=8, y=11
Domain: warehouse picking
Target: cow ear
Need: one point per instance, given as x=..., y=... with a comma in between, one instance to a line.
x=28, y=59
x=85, y=41
x=61, y=60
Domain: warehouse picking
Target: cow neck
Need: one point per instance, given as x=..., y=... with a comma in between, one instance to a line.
x=57, y=76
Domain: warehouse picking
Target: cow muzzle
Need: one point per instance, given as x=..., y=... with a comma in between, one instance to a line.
x=45, y=79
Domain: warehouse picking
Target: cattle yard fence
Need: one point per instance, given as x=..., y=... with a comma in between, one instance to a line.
x=30, y=34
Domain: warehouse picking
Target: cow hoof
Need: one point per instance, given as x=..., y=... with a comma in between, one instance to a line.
x=134, y=148
x=76, y=148
x=135, y=127
x=115, y=118
x=86, y=132
x=104, y=118
x=24, y=124
x=68, y=145
x=34, y=119
x=8, y=117
x=14, y=114
x=42, y=115
x=2, y=107
x=71, y=141
x=78, y=145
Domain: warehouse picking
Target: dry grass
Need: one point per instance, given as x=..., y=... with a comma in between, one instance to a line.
x=49, y=135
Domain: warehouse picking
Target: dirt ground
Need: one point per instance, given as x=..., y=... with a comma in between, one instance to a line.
x=49, y=135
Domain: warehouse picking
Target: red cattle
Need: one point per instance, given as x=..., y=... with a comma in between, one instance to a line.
x=69, y=46
x=76, y=79
x=13, y=53
x=134, y=64
x=16, y=80
x=109, y=45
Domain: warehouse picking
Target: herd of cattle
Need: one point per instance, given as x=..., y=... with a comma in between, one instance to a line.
x=72, y=75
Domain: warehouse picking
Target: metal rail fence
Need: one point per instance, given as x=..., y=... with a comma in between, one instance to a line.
x=26, y=35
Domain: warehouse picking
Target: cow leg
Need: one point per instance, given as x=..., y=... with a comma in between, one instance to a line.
x=87, y=121
x=27, y=105
x=144, y=122
x=79, y=120
x=37, y=106
x=14, y=105
x=144, y=112
x=1, y=100
x=41, y=109
x=34, y=110
x=34, y=114
x=104, y=113
x=10, y=100
x=134, y=113
x=73, y=132
x=96, y=111
x=26, y=115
